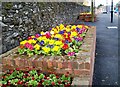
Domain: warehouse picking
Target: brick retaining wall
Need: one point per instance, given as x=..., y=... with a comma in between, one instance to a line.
x=81, y=67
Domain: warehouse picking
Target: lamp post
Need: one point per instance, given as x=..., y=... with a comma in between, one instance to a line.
x=92, y=10
x=111, y=11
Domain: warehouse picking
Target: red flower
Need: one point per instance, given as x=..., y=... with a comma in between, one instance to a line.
x=29, y=38
x=65, y=46
x=37, y=35
x=8, y=83
x=27, y=45
x=21, y=46
x=47, y=35
x=69, y=39
x=11, y=71
x=59, y=82
x=33, y=78
x=19, y=82
x=17, y=69
x=53, y=83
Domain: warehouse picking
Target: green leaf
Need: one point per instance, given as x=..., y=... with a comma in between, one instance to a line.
x=21, y=51
x=66, y=51
x=4, y=82
x=76, y=50
x=41, y=76
x=33, y=83
x=33, y=72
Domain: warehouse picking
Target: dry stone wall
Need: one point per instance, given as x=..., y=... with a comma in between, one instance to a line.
x=22, y=19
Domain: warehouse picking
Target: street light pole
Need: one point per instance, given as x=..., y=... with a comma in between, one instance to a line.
x=112, y=11
x=92, y=10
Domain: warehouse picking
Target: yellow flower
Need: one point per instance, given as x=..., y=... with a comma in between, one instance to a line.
x=41, y=38
x=86, y=27
x=33, y=36
x=56, y=48
x=51, y=42
x=58, y=43
x=37, y=47
x=58, y=36
x=42, y=33
x=52, y=32
x=61, y=26
x=55, y=30
x=73, y=27
x=23, y=42
x=79, y=26
x=57, y=27
x=68, y=29
x=61, y=45
x=66, y=35
x=46, y=40
x=68, y=26
x=52, y=35
x=46, y=49
x=32, y=41
x=73, y=34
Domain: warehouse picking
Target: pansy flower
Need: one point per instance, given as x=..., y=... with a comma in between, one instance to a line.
x=29, y=38
x=80, y=26
x=23, y=42
x=61, y=32
x=47, y=34
x=32, y=41
x=65, y=46
x=37, y=35
x=73, y=34
x=71, y=53
x=78, y=29
x=46, y=49
x=58, y=36
x=55, y=48
x=29, y=46
x=51, y=42
x=37, y=47
x=50, y=46
x=58, y=42
x=42, y=43
x=61, y=26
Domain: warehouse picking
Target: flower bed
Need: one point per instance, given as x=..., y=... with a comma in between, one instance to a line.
x=33, y=78
x=81, y=64
x=59, y=41
x=87, y=17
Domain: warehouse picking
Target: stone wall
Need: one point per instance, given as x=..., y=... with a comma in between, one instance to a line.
x=22, y=19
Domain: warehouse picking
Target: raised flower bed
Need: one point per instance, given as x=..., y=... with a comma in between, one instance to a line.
x=86, y=17
x=63, y=49
x=33, y=78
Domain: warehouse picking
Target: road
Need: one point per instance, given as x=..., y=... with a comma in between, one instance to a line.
x=106, y=60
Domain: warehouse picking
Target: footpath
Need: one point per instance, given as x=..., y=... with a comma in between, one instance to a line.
x=106, y=60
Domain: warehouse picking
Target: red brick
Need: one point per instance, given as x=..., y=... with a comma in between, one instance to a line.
x=60, y=65
x=87, y=66
x=44, y=65
x=28, y=63
x=55, y=64
x=82, y=65
x=50, y=64
x=84, y=72
x=75, y=65
x=7, y=61
x=63, y=71
x=70, y=65
x=65, y=65
x=19, y=62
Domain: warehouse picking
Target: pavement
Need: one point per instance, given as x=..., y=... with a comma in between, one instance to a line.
x=106, y=60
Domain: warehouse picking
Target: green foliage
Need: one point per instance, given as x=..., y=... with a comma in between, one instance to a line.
x=32, y=78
